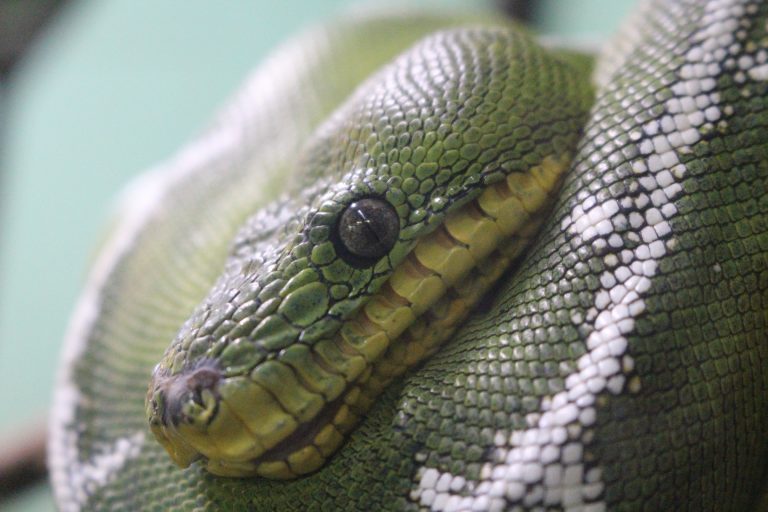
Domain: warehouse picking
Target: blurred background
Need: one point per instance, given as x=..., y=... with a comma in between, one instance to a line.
x=93, y=92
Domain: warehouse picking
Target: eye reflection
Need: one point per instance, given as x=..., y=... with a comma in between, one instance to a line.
x=367, y=230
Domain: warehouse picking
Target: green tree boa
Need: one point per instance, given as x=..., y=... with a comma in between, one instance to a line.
x=620, y=363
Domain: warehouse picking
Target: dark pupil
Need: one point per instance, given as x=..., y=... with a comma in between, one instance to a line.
x=368, y=228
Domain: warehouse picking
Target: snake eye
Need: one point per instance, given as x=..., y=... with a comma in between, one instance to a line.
x=367, y=230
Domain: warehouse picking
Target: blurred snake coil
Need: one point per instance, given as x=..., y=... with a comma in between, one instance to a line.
x=422, y=262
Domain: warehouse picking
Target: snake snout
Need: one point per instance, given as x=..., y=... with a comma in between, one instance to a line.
x=186, y=400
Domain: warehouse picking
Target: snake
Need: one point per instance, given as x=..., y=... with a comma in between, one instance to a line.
x=427, y=261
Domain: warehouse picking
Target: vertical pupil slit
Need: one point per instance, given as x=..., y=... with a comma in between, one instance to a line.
x=370, y=228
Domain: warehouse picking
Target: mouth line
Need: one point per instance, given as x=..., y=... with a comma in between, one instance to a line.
x=303, y=436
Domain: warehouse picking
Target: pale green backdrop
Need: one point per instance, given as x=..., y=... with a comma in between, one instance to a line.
x=112, y=87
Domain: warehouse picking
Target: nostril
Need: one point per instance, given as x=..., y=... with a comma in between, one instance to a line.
x=184, y=396
x=201, y=379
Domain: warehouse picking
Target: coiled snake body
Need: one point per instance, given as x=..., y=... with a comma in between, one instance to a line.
x=328, y=302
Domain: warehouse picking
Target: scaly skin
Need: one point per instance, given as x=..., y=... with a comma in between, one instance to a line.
x=620, y=365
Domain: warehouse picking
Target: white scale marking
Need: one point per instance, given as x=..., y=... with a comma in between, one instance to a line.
x=140, y=202
x=543, y=465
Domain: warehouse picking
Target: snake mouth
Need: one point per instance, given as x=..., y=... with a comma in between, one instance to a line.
x=186, y=407
x=302, y=436
x=287, y=415
x=308, y=447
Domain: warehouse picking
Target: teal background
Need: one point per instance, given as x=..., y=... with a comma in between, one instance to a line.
x=110, y=89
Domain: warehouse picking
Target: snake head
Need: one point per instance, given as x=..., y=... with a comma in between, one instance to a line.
x=422, y=190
